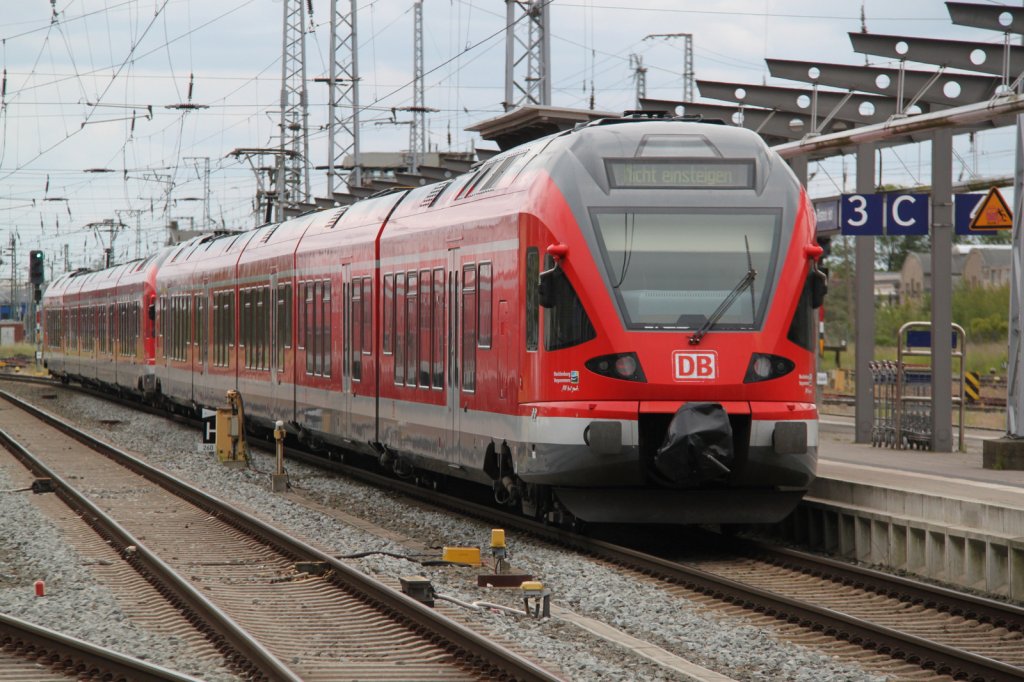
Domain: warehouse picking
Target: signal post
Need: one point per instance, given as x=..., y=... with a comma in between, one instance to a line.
x=36, y=277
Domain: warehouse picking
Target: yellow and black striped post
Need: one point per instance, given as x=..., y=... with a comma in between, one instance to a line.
x=972, y=387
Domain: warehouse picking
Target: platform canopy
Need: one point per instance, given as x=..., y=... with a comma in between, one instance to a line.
x=532, y=122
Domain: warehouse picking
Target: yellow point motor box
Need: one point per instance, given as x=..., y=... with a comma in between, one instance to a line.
x=462, y=555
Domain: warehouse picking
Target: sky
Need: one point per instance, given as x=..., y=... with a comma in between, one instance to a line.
x=89, y=135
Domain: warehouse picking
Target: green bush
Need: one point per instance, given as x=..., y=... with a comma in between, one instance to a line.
x=982, y=312
x=889, y=319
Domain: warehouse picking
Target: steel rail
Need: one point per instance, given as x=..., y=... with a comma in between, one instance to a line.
x=929, y=654
x=466, y=642
x=186, y=598
x=969, y=606
x=885, y=640
x=71, y=653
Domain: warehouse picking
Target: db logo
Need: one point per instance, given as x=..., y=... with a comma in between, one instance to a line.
x=691, y=366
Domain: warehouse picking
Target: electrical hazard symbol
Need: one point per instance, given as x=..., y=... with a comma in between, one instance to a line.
x=992, y=213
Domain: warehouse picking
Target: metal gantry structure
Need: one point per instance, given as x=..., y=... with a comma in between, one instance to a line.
x=969, y=86
x=527, y=53
x=418, y=136
x=343, y=82
x=292, y=184
x=640, y=77
x=688, y=72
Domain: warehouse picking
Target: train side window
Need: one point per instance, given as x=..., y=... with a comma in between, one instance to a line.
x=229, y=321
x=801, y=328
x=318, y=338
x=289, y=302
x=259, y=328
x=325, y=322
x=367, y=315
x=469, y=327
x=566, y=324
x=201, y=327
x=388, y=326
x=310, y=328
x=184, y=335
x=345, y=327
x=254, y=327
x=217, y=331
x=532, y=302
x=267, y=317
x=245, y=325
x=283, y=323
x=400, y=328
x=173, y=329
x=164, y=314
x=356, y=307
x=437, y=372
x=483, y=333
x=300, y=324
x=181, y=328
x=426, y=282
x=252, y=332
x=226, y=323
x=412, y=325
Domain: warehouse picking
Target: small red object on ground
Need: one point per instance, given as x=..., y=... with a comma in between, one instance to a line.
x=40, y=588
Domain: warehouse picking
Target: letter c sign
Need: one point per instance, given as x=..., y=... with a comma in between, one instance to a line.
x=907, y=214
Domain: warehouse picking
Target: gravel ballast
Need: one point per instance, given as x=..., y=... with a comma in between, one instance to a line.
x=731, y=646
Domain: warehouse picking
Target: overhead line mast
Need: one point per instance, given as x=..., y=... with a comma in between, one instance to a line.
x=293, y=159
x=528, y=52
x=343, y=82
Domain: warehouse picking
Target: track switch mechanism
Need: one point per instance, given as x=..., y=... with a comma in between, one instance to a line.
x=232, y=450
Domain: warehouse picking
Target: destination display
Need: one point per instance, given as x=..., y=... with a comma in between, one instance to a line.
x=680, y=174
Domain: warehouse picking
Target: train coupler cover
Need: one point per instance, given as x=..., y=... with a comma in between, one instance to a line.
x=697, y=445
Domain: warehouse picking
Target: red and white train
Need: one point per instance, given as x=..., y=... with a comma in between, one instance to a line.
x=612, y=323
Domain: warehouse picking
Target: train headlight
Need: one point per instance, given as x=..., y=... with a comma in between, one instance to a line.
x=763, y=367
x=617, y=366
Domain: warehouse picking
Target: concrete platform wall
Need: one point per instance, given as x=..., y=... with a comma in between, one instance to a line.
x=965, y=543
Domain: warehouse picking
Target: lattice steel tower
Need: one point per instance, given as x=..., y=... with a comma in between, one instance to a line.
x=527, y=53
x=688, y=76
x=293, y=160
x=418, y=138
x=640, y=76
x=343, y=81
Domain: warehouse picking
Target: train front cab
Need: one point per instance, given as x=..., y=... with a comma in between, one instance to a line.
x=628, y=339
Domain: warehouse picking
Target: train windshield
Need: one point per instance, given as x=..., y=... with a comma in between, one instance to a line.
x=672, y=270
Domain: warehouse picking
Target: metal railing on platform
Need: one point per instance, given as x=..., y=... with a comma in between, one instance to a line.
x=902, y=390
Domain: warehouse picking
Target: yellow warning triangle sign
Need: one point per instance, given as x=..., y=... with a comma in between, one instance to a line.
x=992, y=213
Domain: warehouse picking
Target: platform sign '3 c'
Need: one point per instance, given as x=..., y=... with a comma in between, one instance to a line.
x=879, y=214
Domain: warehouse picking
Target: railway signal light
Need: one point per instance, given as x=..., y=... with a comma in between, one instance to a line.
x=36, y=261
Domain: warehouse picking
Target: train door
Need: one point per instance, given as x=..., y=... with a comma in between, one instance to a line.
x=351, y=360
x=202, y=343
x=453, y=382
x=273, y=304
x=503, y=346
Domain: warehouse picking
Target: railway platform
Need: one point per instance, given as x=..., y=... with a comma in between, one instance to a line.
x=934, y=515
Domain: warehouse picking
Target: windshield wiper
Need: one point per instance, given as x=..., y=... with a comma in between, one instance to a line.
x=747, y=281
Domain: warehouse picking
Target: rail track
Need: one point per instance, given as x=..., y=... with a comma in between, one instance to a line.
x=888, y=624
x=278, y=608
x=898, y=626
x=32, y=653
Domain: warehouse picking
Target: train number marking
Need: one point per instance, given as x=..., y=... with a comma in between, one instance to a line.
x=695, y=366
